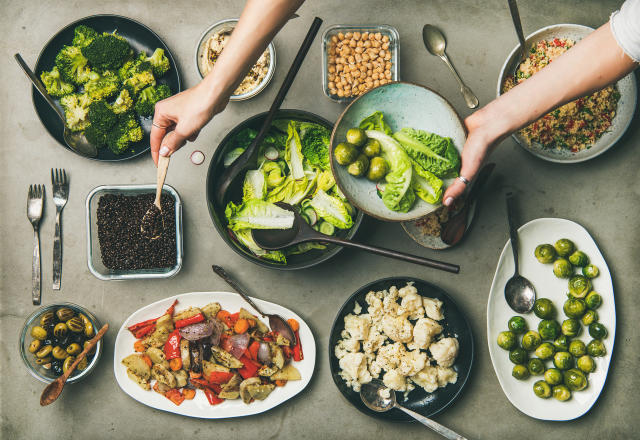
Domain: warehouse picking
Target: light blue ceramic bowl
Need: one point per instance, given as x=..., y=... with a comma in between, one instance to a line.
x=404, y=105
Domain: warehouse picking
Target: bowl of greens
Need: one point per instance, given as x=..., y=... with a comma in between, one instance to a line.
x=292, y=166
x=395, y=149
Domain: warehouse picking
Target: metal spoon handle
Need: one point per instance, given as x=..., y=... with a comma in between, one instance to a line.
x=437, y=427
x=513, y=230
x=515, y=16
x=38, y=85
x=235, y=286
x=469, y=97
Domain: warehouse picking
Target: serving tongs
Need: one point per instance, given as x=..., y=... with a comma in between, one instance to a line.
x=249, y=156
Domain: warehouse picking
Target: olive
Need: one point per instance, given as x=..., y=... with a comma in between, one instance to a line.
x=564, y=247
x=47, y=318
x=92, y=351
x=517, y=324
x=88, y=326
x=531, y=340
x=82, y=364
x=356, y=136
x=63, y=342
x=378, y=168
x=507, y=340
x=586, y=364
x=67, y=363
x=545, y=253
x=75, y=324
x=345, y=153
x=595, y=348
x=359, y=167
x=44, y=351
x=59, y=353
x=520, y=372
x=518, y=356
x=577, y=348
x=575, y=379
x=593, y=300
x=545, y=350
x=371, y=148
x=571, y=327
x=590, y=271
x=60, y=330
x=542, y=389
x=34, y=346
x=544, y=308
x=535, y=366
x=38, y=332
x=597, y=331
x=548, y=329
x=563, y=360
x=43, y=361
x=561, y=393
x=74, y=349
x=56, y=367
x=589, y=317
x=561, y=343
x=64, y=314
x=579, y=258
x=77, y=337
x=553, y=376
x=47, y=341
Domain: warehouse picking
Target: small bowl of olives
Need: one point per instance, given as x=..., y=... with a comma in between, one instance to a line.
x=53, y=336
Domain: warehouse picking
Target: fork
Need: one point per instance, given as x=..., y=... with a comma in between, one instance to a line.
x=35, y=202
x=60, y=196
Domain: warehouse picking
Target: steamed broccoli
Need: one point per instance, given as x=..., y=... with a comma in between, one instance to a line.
x=107, y=51
x=102, y=87
x=159, y=62
x=138, y=81
x=133, y=66
x=148, y=97
x=76, y=109
x=102, y=116
x=126, y=132
x=83, y=35
x=56, y=87
x=123, y=102
x=315, y=144
x=72, y=65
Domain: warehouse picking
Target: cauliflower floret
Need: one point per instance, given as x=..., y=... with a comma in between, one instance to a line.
x=433, y=308
x=427, y=378
x=374, y=341
x=445, y=351
x=397, y=328
x=395, y=380
x=389, y=302
x=357, y=308
x=375, y=309
x=424, y=331
x=354, y=370
x=344, y=346
x=446, y=375
x=411, y=362
x=389, y=356
x=411, y=303
x=357, y=326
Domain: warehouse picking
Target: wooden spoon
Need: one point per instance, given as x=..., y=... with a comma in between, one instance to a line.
x=152, y=224
x=53, y=390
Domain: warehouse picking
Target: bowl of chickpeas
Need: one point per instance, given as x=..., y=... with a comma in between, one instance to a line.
x=356, y=59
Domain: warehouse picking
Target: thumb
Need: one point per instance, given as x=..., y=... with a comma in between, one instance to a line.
x=171, y=143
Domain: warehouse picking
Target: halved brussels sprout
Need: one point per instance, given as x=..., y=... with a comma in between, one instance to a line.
x=517, y=325
x=577, y=348
x=561, y=393
x=561, y=343
x=579, y=258
x=542, y=389
x=575, y=379
x=548, y=329
x=518, y=356
x=535, y=366
x=571, y=327
x=562, y=268
x=586, y=364
x=545, y=350
x=574, y=308
x=595, y=348
x=579, y=286
x=593, y=300
x=520, y=372
x=589, y=317
x=563, y=360
x=544, y=308
x=531, y=340
x=507, y=340
x=597, y=331
x=545, y=253
x=564, y=247
x=590, y=271
x=553, y=376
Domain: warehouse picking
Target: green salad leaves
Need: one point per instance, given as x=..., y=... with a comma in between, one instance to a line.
x=434, y=153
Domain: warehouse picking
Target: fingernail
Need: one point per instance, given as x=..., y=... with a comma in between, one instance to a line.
x=164, y=151
x=447, y=202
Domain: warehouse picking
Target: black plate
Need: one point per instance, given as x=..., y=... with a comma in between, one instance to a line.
x=216, y=168
x=140, y=38
x=454, y=323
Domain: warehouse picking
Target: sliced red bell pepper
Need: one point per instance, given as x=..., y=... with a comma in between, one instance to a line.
x=144, y=331
x=138, y=326
x=175, y=396
x=220, y=377
x=253, y=350
x=188, y=321
x=172, y=346
x=172, y=308
x=297, y=349
x=250, y=368
x=205, y=384
x=212, y=397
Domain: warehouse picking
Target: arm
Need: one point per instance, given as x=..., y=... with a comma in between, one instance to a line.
x=590, y=65
x=180, y=118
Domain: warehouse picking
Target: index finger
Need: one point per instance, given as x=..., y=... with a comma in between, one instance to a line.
x=161, y=125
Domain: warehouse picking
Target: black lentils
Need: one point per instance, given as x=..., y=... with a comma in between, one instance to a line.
x=122, y=244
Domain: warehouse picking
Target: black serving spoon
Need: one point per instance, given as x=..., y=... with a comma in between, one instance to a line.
x=241, y=163
x=301, y=232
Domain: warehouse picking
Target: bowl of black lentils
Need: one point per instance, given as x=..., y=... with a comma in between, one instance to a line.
x=116, y=247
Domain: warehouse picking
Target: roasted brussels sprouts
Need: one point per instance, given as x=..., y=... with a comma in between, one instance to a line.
x=590, y=271
x=356, y=136
x=593, y=300
x=542, y=389
x=564, y=247
x=571, y=327
x=562, y=268
x=561, y=393
x=548, y=329
x=345, y=153
x=378, y=168
x=44, y=361
x=517, y=325
x=545, y=253
x=561, y=343
x=507, y=340
x=90, y=352
x=545, y=350
x=518, y=356
x=38, y=332
x=359, y=167
x=553, y=376
x=520, y=372
x=88, y=327
x=531, y=340
x=82, y=364
x=575, y=379
x=595, y=348
x=535, y=367
x=371, y=148
x=577, y=348
x=589, y=317
x=579, y=258
x=586, y=364
x=597, y=330
x=579, y=286
x=544, y=308
x=563, y=360
x=574, y=308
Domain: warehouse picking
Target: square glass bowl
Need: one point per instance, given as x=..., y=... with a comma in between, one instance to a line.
x=94, y=257
x=394, y=47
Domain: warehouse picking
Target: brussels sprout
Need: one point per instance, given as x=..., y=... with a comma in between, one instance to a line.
x=518, y=356
x=575, y=379
x=564, y=247
x=597, y=331
x=345, y=153
x=579, y=286
x=571, y=327
x=545, y=350
x=359, y=167
x=586, y=364
x=553, y=376
x=593, y=300
x=574, y=308
x=507, y=340
x=579, y=258
x=371, y=148
x=520, y=372
x=561, y=343
x=563, y=360
x=378, y=168
x=577, y=348
x=548, y=329
x=356, y=136
x=542, y=389
x=545, y=253
x=544, y=308
x=590, y=271
x=589, y=317
x=517, y=325
x=595, y=348
x=562, y=268
x=561, y=393
x=535, y=366
x=531, y=340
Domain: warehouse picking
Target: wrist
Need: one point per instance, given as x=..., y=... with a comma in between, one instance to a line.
x=215, y=93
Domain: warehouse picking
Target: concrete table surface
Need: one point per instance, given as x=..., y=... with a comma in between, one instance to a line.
x=600, y=194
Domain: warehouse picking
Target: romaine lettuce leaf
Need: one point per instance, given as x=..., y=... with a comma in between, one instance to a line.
x=293, y=153
x=332, y=210
x=426, y=185
x=258, y=214
x=255, y=185
x=245, y=238
x=292, y=191
x=375, y=121
x=432, y=152
x=326, y=181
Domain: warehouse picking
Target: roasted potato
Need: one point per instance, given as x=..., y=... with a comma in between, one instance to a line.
x=225, y=358
x=142, y=382
x=211, y=310
x=287, y=373
x=210, y=367
x=184, y=354
x=137, y=365
x=281, y=340
x=164, y=376
x=267, y=371
x=191, y=311
x=262, y=328
x=245, y=394
x=157, y=356
x=277, y=356
x=181, y=378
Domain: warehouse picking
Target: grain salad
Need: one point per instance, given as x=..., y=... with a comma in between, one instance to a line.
x=576, y=125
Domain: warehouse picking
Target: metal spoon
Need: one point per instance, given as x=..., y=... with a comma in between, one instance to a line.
x=74, y=140
x=515, y=16
x=276, y=322
x=301, y=232
x=53, y=390
x=435, y=43
x=152, y=224
x=519, y=292
x=373, y=394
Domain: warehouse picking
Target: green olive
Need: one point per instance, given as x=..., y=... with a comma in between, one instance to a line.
x=507, y=340
x=75, y=324
x=35, y=345
x=563, y=360
x=517, y=325
x=564, y=247
x=553, y=376
x=359, y=167
x=590, y=271
x=597, y=331
x=371, y=148
x=596, y=348
x=577, y=348
x=579, y=258
x=548, y=329
x=593, y=300
x=60, y=330
x=59, y=353
x=544, y=308
x=345, y=153
x=44, y=351
x=562, y=268
x=545, y=350
x=575, y=379
x=545, y=253
x=571, y=327
x=82, y=364
x=67, y=363
x=579, y=286
x=74, y=348
x=356, y=136
x=378, y=168
x=535, y=366
x=542, y=389
x=518, y=356
x=90, y=352
x=65, y=313
x=38, y=332
x=561, y=343
x=88, y=326
x=574, y=308
x=586, y=364
x=531, y=340
x=589, y=317
x=47, y=318
x=520, y=372
x=44, y=361
x=561, y=393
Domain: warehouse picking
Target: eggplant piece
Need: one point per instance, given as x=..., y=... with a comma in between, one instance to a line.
x=206, y=350
x=196, y=357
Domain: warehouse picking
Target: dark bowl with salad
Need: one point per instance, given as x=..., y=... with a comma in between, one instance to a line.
x=292, y=167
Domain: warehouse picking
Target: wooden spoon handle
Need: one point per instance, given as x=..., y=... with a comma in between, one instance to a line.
x=163, y=165
x=92, y=343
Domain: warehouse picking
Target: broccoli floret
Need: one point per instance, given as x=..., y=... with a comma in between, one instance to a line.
x=56, y=87
x=123, y=102
x=148, y=97
x=96, y=136
x=102, y=87
x=101, y=116
x=134, y=66
x=72, y=65
x=139, y=81
x=83, y=35
x=159, y=62
x=76, y=109
x=126, y=132
x=107, y=51
x=315, y=144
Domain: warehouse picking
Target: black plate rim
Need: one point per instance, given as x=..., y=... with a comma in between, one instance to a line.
x=401, y=416
x=223, y=231
x=35, y=92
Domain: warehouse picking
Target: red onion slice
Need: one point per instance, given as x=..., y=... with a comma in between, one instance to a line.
x=218, y=328
x=264, y=353
x=239, y=344
x=196, y=331
x=197, y=157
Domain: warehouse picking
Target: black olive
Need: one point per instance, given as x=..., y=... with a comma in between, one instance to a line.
x=63, y=342
x=49, y=328
x=56, y=367
x=78, y=338
x=47, y=341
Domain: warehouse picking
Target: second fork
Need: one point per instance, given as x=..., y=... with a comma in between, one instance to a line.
x=60, y=197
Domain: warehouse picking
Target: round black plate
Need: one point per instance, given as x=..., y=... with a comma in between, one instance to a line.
x=140, y=38
x=216, y=168
x=454, y=323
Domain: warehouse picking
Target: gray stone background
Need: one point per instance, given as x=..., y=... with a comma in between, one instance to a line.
x=601, y=194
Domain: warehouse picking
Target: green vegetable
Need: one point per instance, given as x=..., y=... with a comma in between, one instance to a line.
x=55, y=85
x=232, y=155
x=326, y=228
x=597, y=331
x=545, y=351
x=590, y=271
x=246, y=239
x=542, y=389
x=561, y=393
x=315, y=140
x=102, y=87
x=548, y=329
x=579, y=286
x=561, y=343
x=107, y=51
x=426, y=185
x=593, y=300
x=72, y=65
x=125, y=132
x=535, y=367
x=76, y=109
x=356, y=136
x=345, y=153
x=432, y=152
x=332, y=209
x=148, y=97
x=138, y=81
x=159, y=62
x=517, y=324
x=291, y=191
x=563, y=360
x=102, y=116
x=326, y=181
x=255, y=185
x=589, y=317
x=371, y=148
x=518, y=355
x=571, y=327
x=520, y=372
x=579, y=258
x=564, y=247
x=123, y=102
x=586, y=364
x=507, y=340
x=574, y=308
x=359, y=167
x=545, y=253
x=553, y=376
x=575, y=379
x=378, y=168
x=544, y=308
x=531, y=340
x=596, y=348
x=375, y=121
x=293, y=153
x=258, y=214
x=83, y=35
x=562, y=268
x=577, y=348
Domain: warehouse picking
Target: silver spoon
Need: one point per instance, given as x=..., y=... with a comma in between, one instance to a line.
x=74, y=140
x=436, y=44
x=515, y=16
x=374, y=395
x=519, y=292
